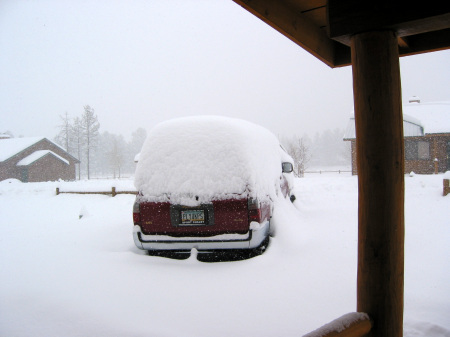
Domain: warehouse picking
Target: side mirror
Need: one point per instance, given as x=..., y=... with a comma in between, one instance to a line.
x=287, y=167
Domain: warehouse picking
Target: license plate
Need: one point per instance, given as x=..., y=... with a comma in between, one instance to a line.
x=193, y=217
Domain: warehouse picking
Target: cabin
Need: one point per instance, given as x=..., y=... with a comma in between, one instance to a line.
x=35, y=159
x=426, y=132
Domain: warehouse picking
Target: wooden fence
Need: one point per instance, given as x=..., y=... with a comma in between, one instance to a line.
x=323, y=171
x=113, y=192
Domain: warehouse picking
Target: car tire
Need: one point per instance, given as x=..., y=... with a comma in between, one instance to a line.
x=170, y=254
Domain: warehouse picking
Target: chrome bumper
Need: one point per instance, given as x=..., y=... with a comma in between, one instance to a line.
x=252, y=239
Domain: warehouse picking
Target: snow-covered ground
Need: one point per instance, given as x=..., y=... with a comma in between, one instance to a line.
x=66, y=275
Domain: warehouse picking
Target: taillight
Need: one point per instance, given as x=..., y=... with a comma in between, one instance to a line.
x=254, y=212
x=136, y=213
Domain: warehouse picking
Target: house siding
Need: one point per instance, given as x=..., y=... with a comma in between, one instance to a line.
x=47, y=168
x=354, y=164
x=438, y=149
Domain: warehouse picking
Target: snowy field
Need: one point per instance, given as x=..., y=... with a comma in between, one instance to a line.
x=62, y=275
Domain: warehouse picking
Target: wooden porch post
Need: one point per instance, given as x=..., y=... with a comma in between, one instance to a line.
x=380, y=162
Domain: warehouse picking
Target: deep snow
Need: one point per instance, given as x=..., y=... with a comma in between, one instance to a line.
x=213, y=157
x=62, y=275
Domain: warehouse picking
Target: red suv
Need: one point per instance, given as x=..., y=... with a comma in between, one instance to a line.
x=208, y=183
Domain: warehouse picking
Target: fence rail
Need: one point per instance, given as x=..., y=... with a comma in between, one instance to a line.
x=113, y=192
x=324, y=171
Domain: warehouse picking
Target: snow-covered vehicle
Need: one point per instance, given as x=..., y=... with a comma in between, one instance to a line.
x=209, y=183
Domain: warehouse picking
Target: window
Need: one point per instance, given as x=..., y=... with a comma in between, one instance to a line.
x=417, y=150
x=423, y=150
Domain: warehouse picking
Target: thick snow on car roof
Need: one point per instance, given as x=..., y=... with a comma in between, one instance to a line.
x=210, y=157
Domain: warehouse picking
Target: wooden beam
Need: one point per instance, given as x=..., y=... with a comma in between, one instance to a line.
x=350, y=325
x=380, y=162
x=402, y=43
x=299, y=29
x=426, y=42
x=349, y=17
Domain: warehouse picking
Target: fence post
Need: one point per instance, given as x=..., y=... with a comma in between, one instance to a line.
x=113, y=191
x=57, y=191
x=446, y=186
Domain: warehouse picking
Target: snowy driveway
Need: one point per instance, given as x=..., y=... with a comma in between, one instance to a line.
x=66, y=276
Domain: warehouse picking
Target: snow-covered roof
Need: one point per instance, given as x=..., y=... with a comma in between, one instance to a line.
x=434, y=116
x=12, y=146
x=411, y=128
x=210, y=157
x=38, y=155
x=419, y=119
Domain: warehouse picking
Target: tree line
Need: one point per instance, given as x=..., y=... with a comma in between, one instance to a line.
x=324, y=149
x=106, y=154
x=100, y=154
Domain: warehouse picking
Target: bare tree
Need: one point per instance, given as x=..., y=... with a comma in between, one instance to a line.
x=77, y=141
x=116, y=154
x=298, y=149
x=112, y=154
x=329, y=149
x=89, y=128
x=64, y=135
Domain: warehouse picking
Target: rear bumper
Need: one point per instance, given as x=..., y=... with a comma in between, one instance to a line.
x=252, y=239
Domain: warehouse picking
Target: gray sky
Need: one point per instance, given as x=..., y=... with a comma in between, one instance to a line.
x=140, y=62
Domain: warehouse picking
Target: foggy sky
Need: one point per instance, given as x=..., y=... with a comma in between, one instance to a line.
x=141, y=62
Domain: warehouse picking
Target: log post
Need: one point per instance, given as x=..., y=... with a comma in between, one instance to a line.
x=446, y=187
x=380, y=163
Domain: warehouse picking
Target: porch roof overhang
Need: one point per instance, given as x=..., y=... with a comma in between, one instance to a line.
x=324, y=28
